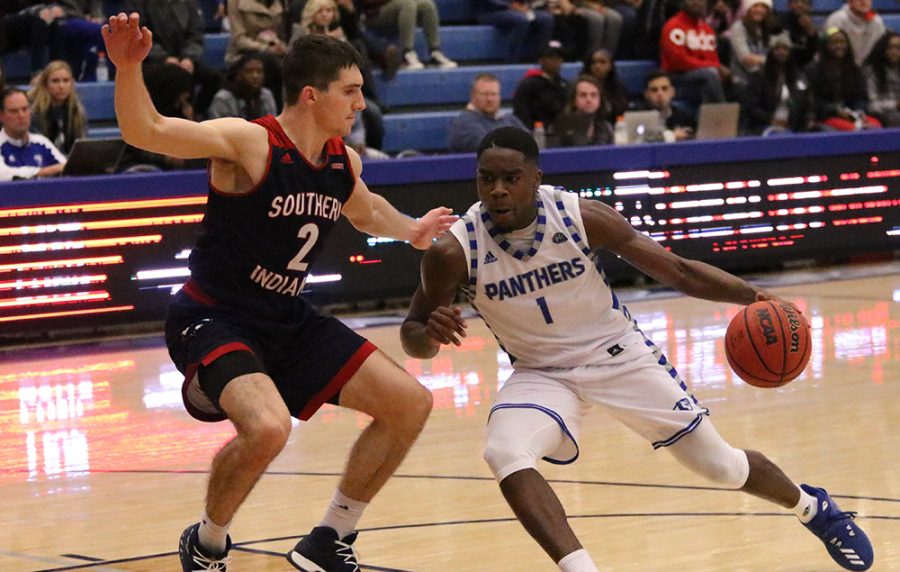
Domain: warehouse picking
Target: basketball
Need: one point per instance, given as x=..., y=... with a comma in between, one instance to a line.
x=768, y=344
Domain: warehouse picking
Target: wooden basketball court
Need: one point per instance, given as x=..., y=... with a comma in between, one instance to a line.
x=102, y=468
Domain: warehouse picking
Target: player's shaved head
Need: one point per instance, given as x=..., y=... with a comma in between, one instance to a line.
x=510, y=138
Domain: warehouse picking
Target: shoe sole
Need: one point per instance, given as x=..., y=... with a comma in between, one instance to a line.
x=301, y=563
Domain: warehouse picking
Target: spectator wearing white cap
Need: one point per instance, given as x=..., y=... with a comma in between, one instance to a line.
x=750, y=39
x=862, y=25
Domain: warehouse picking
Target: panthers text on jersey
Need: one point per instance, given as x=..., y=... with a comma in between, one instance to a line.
x=549, y=306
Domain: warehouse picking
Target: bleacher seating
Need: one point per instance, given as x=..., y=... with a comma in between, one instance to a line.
x=892, y=21
x=426, y=131
x=442, y=87
x=413, y=121
x=829, y=6
x=456, y=11
x=413, y=88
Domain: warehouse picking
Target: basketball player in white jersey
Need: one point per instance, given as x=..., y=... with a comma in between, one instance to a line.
x=524, y=257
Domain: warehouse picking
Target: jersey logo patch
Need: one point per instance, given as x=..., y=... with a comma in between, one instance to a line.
x=489, y=258
x=286, y=159
x=559, y=238
x=338, y=166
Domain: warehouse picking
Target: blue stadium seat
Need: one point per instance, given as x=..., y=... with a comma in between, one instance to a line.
x=892, y=22
x=441, y=87
x=420, y=131
x=103, y=132
x=214, y=47
x=427, y=131
x=456, y=11
x=98, y=100
x=17, y=66
x=462, y=43
x=466, y=43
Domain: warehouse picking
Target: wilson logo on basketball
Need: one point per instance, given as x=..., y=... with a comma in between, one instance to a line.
x=794, y=322
x=768, y=327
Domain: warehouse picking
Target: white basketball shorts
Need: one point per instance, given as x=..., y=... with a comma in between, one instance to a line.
x=634, y=383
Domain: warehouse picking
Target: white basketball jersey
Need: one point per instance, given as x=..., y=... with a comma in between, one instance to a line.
x=549, y=306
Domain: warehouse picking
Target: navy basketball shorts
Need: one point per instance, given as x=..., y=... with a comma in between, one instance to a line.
x=309, y=360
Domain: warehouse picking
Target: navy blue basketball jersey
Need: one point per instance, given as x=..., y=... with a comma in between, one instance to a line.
x=257, y=247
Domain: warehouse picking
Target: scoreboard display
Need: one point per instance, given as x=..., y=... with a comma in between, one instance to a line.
x=114, y=260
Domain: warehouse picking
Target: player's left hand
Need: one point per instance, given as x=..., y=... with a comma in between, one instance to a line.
x=433, y=225
x=446, y=325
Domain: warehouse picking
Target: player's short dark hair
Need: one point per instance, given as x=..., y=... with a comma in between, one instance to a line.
x=316, y=60
x=7, y=92
x=655, y=75
x=510, y=138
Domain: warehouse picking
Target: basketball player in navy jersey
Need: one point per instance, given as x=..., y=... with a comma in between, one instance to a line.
x=252, y=349
x=524, y=256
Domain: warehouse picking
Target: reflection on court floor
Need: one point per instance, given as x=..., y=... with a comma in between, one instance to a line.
x=100, y=467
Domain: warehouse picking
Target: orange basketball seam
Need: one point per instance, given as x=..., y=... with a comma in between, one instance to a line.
x=784, y=346
x=804, y=357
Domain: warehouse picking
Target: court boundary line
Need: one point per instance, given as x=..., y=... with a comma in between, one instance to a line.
x=477, y=478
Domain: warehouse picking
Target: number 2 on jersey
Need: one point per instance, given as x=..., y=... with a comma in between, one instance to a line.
x=542, y=304
x=310, y=233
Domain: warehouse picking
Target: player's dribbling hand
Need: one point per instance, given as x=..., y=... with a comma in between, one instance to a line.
x=763, y=296
x=433, y=225
x=445, y=324
x=127, y=42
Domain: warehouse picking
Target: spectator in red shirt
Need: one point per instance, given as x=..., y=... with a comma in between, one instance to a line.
x=687, y=48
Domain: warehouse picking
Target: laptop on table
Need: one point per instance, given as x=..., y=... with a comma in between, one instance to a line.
x=718, y=121
x=643, y=126
x=94, y=157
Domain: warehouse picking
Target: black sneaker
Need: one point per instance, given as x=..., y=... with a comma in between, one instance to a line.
x=322, y=551
x=194, y=559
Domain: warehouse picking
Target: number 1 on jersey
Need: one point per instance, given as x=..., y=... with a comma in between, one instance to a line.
x=542, y=304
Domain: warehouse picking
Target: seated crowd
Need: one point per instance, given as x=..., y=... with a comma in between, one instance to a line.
x=787, y=72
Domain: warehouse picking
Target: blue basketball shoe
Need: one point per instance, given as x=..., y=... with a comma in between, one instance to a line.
x=194, y=559
x=322, y=551
x=846, y=543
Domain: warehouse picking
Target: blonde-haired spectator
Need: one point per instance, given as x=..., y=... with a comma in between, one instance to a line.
x=56, y=110
x=320, y=17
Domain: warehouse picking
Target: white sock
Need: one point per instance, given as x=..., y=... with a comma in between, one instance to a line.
x=343, y=513
x=578, y=561
x=212, y=536
x=807, y=508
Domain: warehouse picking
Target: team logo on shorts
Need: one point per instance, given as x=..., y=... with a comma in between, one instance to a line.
x=559, y=238
x=684, y=404
x=194, y=328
